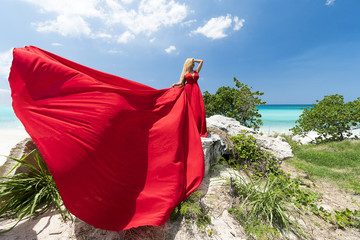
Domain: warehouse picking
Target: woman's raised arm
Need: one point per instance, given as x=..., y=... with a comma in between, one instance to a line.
x=200, y=64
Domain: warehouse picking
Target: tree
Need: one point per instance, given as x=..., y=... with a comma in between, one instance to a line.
x=331, y=118
x=238, y=103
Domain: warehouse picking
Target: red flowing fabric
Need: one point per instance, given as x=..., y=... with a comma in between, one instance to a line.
x=122, y=154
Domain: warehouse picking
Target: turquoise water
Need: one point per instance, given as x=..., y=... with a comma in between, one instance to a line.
x=274, y=117
x=8, y=118
x=281, y=117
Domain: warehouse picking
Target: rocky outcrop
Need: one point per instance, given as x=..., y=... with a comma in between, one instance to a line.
x=19, y=151
x=229, y=127
x=215, y=145
x=277, y=146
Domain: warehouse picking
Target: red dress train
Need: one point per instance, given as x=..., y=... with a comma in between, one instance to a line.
x=122, y=154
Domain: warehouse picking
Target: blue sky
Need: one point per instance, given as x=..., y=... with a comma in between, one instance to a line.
x=295, y=51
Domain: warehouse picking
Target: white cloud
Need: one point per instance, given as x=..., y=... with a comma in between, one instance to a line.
x=114, y=51
x=73, y=16
x=126, y=37
x=5, y=63
x=6, y=91
x=189, y=22
x=150, y=16
x=152, y=40
x=215, y=27
x=102, y=35
x=55, y=44
x=329, y=2
x=66, y=25
x=84, y=8
x=238, y=23
x=5, y=96
x=170, y=49
x=127, y=1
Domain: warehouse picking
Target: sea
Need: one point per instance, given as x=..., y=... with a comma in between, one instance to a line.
x=275, y=117
x=280, y=117
x=8, y=119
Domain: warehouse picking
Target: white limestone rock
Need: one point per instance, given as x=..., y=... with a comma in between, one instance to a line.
x=277, y=146
x=308, y=138
x=228, y=125
x=19, y=151
x=214, y=147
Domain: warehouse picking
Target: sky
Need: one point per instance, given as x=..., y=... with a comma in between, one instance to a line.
x=295, y=51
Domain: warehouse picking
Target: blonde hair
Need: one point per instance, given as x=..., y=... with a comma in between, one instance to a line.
x=187, y=66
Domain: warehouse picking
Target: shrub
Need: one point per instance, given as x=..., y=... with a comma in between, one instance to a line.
x=248, y=154
x=331, y=118
x=238, y=103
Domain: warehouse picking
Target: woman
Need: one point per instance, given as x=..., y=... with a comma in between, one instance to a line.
x=193, y=92
x=122, y=154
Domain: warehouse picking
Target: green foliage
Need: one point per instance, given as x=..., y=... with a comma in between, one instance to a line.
x=29, y=194
x=248, y=154
x=266, y=209
x=324, y=161
x=354, y=185
x=331, y=118
x=238, y=103
x=193, y=210
x=348, y=218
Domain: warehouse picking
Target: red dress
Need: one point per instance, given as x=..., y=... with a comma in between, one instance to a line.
x=196, y=102
x=122, y=154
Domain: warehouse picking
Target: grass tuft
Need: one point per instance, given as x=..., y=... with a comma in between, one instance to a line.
x=29, y=194
x=194, y=210
x=266, y=208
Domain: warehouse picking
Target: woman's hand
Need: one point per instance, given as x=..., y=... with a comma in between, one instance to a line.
x=181, y=82
x=178, y=84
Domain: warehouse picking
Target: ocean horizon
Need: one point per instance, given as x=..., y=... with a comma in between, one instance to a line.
x=275, y=117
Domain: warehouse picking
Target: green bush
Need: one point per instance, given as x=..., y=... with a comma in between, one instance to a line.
x=249, y=155
x=331, y=118
x=238, y=103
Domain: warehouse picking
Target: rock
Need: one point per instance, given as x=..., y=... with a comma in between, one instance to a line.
x=228, y=125
x=309, y=138
x=21, y=149
x=214, y=147
x=277, y=146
